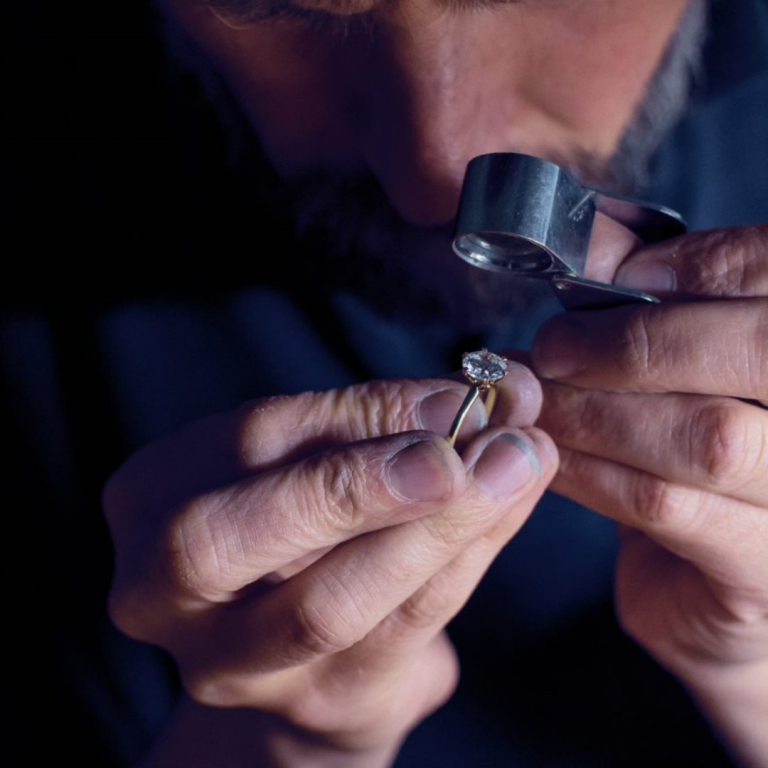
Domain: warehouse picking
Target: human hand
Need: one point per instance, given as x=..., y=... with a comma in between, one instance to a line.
x=301, y=555
x=654, y=410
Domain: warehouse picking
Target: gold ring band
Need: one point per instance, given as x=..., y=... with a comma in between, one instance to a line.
x=483, y=370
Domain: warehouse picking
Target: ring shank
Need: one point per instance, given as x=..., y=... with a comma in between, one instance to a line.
x=475, y=392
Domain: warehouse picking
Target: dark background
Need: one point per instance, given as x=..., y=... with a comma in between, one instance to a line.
x=118, y=187
x=114, y=157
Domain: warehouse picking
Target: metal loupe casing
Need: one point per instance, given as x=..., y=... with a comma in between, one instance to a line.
x=523, y=215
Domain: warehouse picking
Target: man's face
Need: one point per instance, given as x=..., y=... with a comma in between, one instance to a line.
x=400, y=94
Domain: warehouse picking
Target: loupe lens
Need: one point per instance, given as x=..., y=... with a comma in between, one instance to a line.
x=502, y=251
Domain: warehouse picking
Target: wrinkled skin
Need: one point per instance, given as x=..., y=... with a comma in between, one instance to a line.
x=301, y=590
x=275, y=553
x=657, y=414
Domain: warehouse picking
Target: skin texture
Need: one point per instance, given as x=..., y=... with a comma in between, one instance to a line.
x=410, y=96
x=657, y=418
x=301, y=556
x=299, y=584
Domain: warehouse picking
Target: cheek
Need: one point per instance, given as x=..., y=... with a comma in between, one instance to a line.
x=593, y=62
x=288, y=83
x=295, y=102
x=298, y=129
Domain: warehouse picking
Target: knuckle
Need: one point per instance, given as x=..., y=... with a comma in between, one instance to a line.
x=355, y=410
x=186, y=565
x=388, y=406
x=744, y=260
x=371, y=409
x=721, y=444
x=314, y=712
x=735, y=263
x=215, y=689
x=335, y=492
x=451, y=532
x=315, y=633
x=660, y=505
x=430, y=607
x=641, y=349
x=321, y=624
x=194, y=553
x=580, y=415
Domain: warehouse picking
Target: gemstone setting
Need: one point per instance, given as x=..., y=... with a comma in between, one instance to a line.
x=483, y=368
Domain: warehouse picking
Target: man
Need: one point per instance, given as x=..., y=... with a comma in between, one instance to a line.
x=300, y=557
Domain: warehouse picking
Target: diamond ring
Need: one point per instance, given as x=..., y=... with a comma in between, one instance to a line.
x=483, y=370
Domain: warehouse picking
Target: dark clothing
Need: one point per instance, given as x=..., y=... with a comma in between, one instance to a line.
x=93, y=370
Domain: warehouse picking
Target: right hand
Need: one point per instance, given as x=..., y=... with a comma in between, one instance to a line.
x=301, y=555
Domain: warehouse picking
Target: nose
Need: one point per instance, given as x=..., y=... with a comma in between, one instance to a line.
x=432, y=94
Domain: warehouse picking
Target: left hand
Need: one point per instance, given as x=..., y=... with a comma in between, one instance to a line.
x=656, y=412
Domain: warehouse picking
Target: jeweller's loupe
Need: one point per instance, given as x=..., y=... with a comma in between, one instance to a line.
x=526, y=216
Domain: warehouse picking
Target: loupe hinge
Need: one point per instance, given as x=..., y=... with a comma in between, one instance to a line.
x=575, y=292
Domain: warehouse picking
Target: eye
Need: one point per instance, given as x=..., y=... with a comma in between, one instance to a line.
x=315, y=20
x=241, y=14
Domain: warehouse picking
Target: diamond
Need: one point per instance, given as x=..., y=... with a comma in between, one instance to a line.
x=483, y=367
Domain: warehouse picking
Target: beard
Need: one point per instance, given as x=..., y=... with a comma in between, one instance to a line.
x=410, y=273
x=406, y=273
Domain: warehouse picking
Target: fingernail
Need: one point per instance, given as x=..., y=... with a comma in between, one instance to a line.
x=559, y=348
x=419, y=473
x=437, y=412
x=506, y=465
x=650, y=276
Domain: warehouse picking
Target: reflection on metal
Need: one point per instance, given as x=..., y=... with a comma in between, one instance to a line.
x=527, y=216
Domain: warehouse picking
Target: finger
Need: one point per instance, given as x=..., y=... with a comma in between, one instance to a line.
x=415, y=622
x=717, y=444
x=718, y=348
x=220, y=449
x=332, y=605
x=223, y=541
x=701, y=527
x=610, y=244
x=351, y=698
x=518, y=401
x=409, y=633
x=720, y=263
x=282, y=426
